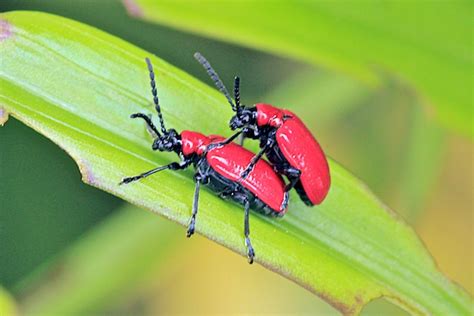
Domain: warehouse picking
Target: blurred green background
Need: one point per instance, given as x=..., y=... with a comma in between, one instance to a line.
x=59, y=236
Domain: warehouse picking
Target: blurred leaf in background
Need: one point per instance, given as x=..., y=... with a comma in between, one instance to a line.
x=105, y=268
x=44, y=205
x=362, y=38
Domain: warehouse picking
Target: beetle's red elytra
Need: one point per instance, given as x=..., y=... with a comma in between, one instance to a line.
x=230, y=161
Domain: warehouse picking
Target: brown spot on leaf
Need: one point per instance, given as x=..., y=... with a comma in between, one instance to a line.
x=87, y=174
x=133, y=8
x=345, y=309
x=3, y=116
x=5, y=30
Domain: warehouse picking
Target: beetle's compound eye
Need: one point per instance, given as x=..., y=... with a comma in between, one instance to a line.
x=236, y=122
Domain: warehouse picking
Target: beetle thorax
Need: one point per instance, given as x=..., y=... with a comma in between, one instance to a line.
x=194, y=143
x=268, y=115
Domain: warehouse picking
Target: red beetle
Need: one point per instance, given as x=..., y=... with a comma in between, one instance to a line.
x=219, y=166
x=285, y=140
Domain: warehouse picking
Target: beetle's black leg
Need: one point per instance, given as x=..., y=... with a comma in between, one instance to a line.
x=241, y=140
x=252, y=163
x=230, y=139
x=256, y=158
x=192, y=221
x=242, y=198
x=293, y=175
x=225, y=142
x=147, y=120
x=172, y=166
x=248, y=244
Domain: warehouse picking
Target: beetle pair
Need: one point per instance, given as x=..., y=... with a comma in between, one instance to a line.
x=232, y=171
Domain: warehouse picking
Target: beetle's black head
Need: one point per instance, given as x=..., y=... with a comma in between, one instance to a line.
x=244, y=117
x=168, y=141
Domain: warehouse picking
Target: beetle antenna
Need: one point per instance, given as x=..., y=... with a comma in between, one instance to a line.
x=237, y=91
x=215, y=77
x=155, y=95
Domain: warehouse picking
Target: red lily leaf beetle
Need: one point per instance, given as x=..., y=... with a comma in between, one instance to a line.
x=284, y=139
x=218, y=164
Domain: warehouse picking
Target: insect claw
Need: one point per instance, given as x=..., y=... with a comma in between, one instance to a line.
x=190, y=231
x=250, y=251
x=127, y=180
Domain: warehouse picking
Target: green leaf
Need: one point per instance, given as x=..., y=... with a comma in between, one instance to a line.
x=426, y=44
x=78, y=86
